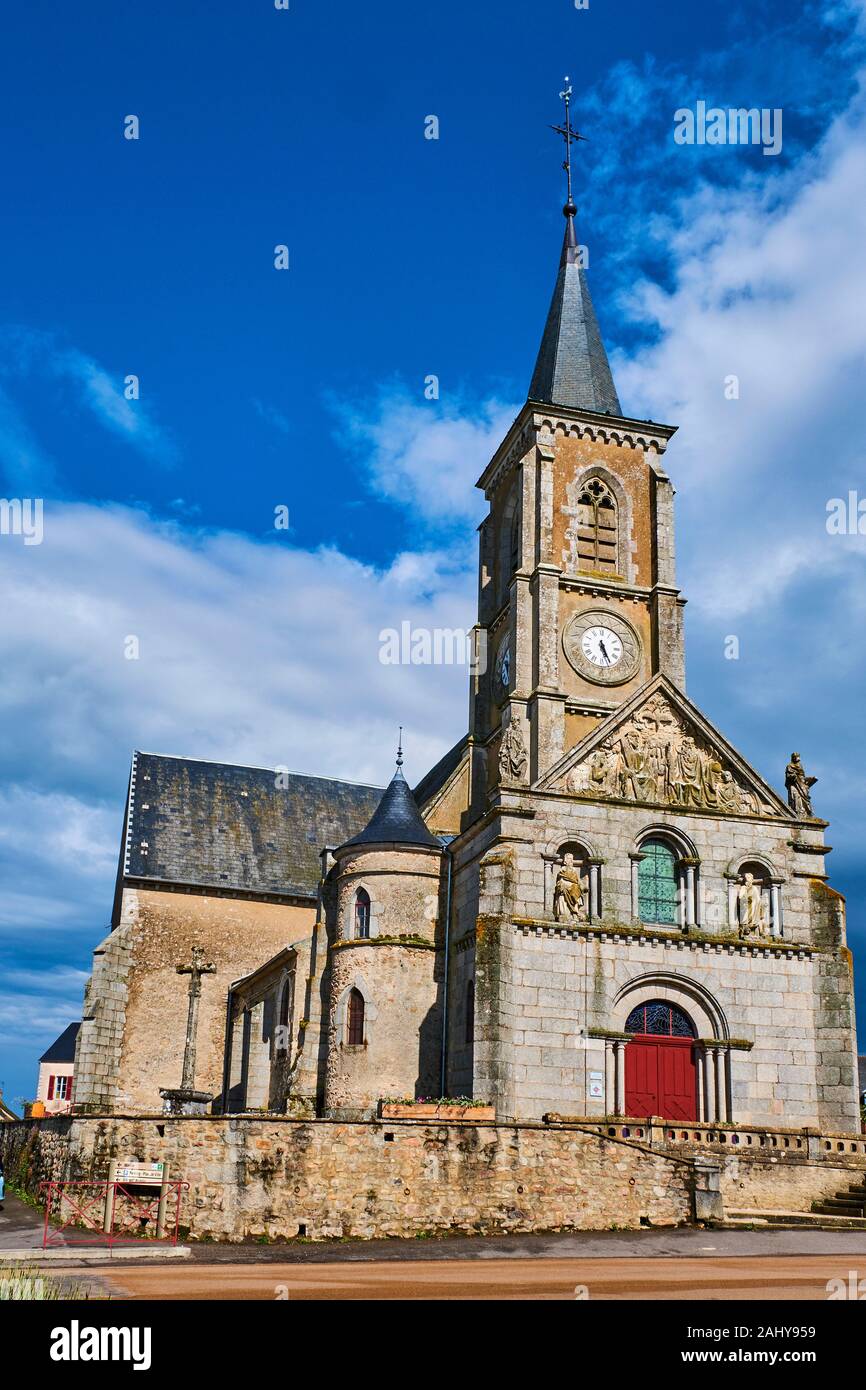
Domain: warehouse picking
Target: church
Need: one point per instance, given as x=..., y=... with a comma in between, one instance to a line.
x=592, y=906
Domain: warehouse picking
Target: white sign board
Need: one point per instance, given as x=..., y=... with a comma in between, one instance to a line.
x=596, y=1085
x=130, y=1171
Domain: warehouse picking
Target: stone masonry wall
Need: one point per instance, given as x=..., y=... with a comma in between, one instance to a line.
x=543, y=989
x=273, y=1177
x=132, y=1040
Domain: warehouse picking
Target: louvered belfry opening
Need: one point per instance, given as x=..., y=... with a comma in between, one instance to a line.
x=597, y=527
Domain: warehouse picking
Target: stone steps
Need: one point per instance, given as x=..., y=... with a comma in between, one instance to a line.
x=848, y=1202
x=817, y=1218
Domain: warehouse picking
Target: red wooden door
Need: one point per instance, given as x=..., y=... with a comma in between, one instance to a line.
x=661, y=1077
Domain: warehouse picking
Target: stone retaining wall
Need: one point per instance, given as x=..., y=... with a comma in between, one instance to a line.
x=282, y=1178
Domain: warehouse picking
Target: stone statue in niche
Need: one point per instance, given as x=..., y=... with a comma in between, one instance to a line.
x=569, y=898
x=799, y=788
x=512, y=755
x=655, y=758
x=752, y=908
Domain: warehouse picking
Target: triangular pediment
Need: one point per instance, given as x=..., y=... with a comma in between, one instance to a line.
x=659, y=750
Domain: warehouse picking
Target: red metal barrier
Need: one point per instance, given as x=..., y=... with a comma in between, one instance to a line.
x=110, y=1213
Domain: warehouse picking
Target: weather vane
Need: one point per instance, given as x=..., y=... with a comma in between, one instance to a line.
x=570, y=137
x=400, y=747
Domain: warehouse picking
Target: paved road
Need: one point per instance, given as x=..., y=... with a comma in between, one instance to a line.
x=676, y=1264
x=20, y=1225
x=752, y=1277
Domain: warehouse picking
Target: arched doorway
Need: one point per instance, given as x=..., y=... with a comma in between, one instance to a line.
x=660, y=1067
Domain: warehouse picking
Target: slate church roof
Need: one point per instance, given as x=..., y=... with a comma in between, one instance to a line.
x=215, y=825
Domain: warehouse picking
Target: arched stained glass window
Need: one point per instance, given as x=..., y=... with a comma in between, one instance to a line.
x=657, y=884
x=660, y=1019
x=362, y=914
x=355, y=1019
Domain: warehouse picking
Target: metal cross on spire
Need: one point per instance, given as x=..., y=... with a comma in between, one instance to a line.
x=570, y=137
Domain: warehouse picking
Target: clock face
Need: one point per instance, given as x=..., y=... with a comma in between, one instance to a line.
x=602, y=647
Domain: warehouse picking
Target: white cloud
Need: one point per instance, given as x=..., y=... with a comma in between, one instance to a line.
x=248, y=651
x=428, y=456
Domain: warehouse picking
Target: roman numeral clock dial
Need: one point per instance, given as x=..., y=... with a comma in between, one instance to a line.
x=602, y=647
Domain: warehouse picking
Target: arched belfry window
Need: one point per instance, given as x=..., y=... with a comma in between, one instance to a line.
x=659, y=1019
x=597, y=527
x=658, y=885
x=362, y=914
x=355, y=1019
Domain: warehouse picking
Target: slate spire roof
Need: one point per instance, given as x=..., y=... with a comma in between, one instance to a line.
x=396, y=820
x=572, y=367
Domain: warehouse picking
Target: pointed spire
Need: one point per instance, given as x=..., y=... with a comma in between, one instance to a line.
x=572, y=367
x=396, y=820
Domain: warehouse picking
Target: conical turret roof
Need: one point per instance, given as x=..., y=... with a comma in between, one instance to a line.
x=396, y=820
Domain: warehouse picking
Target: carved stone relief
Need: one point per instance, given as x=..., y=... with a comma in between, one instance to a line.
x=658, y=759
x=513, y=761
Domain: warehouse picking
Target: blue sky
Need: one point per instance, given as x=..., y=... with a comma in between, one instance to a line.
x=305, y=388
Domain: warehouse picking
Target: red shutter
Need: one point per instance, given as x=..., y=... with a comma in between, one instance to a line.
x=51, y=1088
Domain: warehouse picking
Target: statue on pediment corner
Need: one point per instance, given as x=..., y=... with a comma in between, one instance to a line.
x=799, y=788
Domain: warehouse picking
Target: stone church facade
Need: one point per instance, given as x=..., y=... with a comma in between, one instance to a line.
x=592, y=906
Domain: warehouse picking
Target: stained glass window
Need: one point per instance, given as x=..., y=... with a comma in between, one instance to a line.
x=657, y=884
x=660, y=1020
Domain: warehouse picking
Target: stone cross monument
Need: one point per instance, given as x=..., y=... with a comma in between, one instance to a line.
x=186, y=1100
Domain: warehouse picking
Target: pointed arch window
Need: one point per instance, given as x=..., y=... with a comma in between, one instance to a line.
x=597, y=527
x=362, y=914
x=355, y=1019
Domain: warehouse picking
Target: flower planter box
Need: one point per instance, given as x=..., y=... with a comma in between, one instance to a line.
x=466, y=1114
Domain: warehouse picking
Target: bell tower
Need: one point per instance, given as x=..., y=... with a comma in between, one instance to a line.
x=578, y=605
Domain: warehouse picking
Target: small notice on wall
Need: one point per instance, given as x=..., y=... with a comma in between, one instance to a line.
x=596, y=1085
